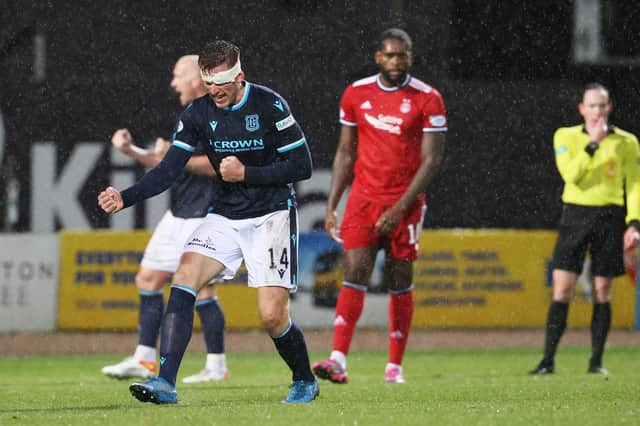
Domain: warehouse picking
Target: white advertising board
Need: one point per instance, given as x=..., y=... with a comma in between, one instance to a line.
x=28, y=282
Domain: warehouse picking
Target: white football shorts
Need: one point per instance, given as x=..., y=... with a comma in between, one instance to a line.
x=167, y=242
x=268, y=245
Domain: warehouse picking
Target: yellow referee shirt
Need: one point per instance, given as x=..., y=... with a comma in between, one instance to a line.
x=599, y=180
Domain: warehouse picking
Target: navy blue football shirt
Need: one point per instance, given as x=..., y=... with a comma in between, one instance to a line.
x=193, y=195
x=261, y=131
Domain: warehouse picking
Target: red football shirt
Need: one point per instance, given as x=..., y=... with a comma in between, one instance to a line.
x=390, y=124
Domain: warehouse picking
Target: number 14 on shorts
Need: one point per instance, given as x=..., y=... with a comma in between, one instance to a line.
x=279, y=261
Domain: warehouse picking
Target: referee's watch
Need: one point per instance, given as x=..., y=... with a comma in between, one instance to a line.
x=591, y=148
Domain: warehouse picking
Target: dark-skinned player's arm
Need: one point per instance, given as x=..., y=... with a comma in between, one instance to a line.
x=432, y=154
x=341, y=176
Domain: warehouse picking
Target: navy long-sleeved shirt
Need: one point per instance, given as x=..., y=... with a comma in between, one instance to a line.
x=260, y=130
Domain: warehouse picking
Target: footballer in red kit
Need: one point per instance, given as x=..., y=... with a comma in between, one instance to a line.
x=391, y=144
x=390, y=123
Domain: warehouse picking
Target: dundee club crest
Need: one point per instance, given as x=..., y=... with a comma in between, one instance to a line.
x=252, y=122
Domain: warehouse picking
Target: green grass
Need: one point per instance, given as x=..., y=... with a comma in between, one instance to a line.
x=461, y=387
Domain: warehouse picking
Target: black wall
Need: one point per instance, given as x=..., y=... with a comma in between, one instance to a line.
x=505, y=74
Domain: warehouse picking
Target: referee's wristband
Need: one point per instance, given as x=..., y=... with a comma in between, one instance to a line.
x=591, y=148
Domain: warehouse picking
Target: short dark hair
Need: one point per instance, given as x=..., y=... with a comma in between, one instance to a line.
x=594, y=85
x=218, y=52
x=397, y=34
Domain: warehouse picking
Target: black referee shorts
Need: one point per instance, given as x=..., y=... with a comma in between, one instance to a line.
x=597, y=229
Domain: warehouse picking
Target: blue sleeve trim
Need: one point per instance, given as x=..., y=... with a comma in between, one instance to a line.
x=292, y=145
x=183, y=145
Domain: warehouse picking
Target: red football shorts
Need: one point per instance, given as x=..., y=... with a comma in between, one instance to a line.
x=361, y=215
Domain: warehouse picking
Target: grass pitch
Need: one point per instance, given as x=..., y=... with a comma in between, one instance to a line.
x=454, y=387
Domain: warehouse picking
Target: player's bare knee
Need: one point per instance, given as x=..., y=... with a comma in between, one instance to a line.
x=399, y=287
x=358, y=265
x=563, y=294
x=274, y=320
x=272, y=324
x=186, y=275
x=207, y=291
x=147, y=280
x=601, y=290
x=601, y=295
x=360, y=276
x=601, y=298
x=142, y=281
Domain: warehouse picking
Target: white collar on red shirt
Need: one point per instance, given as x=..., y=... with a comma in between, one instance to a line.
x=392, y=89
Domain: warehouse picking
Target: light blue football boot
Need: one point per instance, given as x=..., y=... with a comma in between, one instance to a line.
x=158, y=391
x=302, y=391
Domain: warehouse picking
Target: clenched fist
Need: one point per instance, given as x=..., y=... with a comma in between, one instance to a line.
x=122, y=140
x=231, y=169
x=110, y=200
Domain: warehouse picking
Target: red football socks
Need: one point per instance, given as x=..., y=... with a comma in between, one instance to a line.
x=400, y=316
x=348, y=310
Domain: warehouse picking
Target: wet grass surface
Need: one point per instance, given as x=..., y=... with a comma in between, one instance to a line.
x=444, y=387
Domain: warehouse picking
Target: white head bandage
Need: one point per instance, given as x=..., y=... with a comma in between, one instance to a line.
x=221, y=77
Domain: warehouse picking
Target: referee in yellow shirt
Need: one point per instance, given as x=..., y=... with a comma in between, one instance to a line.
x=598, y=164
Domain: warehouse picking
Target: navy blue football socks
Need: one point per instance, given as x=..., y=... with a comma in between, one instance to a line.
x=176, y=331
x=293, y=349
x=150, y=317
x=212, y=319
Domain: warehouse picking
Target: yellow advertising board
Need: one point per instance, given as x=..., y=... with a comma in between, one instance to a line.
x=97, y=283
x=463, y=278
x=499, y=278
